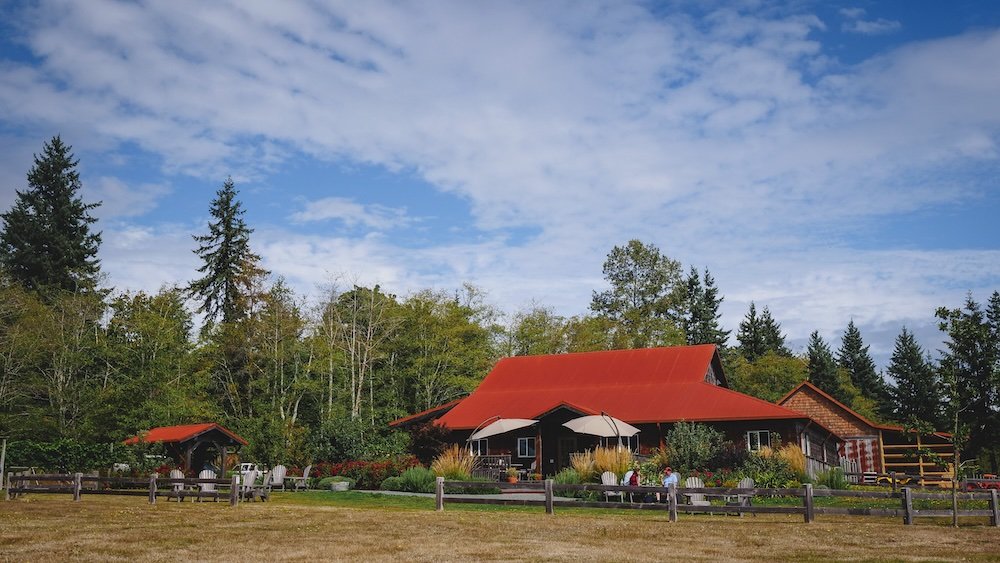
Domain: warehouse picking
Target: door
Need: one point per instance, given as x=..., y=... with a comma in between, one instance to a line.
x=567, y=446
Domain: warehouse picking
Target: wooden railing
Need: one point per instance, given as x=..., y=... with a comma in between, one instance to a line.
x=669, y=500
x=153, y=487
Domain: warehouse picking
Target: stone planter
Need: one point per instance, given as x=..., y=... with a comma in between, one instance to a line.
x=340, y=486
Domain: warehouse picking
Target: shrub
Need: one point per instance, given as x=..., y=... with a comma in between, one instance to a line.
x=366, y=474
x=693, y=445
x=454, y=463
x=833, y=478
x=583, y=464
x=730, y=455
x=391, y=484
x=768, y=470
x=418, y=480
x=615, y=460
x=660, y=458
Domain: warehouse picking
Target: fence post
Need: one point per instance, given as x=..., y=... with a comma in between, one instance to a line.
x=892, y=477
x=995, y=506
x=152, y=489
x=234, y=490
x=907, y=506
x=549, y=507
x=7, y=489
x=672, y=502
x=439, y=494
x=77, y=485
x=807, y=501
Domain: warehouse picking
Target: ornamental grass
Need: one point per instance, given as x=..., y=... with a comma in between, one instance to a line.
x=583, y=464
x=795, y=458
x=615, y=460
x=454, y=463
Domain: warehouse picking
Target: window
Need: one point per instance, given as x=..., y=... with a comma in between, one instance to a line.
x=525, y=447
x=479, y=447
x=757, y=439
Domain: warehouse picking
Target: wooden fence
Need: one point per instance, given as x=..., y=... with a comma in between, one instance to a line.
x=78, y=484
x=670, y=503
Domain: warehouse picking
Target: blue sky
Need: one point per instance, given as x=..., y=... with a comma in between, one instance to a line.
x=831, y=160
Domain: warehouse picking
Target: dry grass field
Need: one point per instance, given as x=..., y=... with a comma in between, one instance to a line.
x=352, y=526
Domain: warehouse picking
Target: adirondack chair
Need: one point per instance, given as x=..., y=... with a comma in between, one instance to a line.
x=609, y=478
x=278, y=476
x=247, y=481
x=208, y=488
x=178, y=488
x=695, y=499
x=741, y=500
x=303, y=481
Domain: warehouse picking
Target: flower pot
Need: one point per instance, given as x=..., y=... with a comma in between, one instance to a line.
x=512, y=479
x=339, y=486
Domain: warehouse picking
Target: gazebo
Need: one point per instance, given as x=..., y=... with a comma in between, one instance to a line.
x=189, y=444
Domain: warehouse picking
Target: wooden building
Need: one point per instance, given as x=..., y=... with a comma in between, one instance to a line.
x=193, y=445
x=650, y=388
x=870, y=446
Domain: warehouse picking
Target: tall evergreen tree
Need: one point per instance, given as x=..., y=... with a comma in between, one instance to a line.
x=230, y=270
x=701, y=322
x=853, y=356
x=46, y=240
x=917, y=397
x=969, y=371
x=759, y=334
x=823, y=369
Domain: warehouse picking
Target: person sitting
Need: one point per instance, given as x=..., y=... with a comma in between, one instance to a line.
x=634, y=480
x=669, y=478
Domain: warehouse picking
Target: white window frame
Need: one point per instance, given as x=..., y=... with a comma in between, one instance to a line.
x=757, y=434
x=524, y=453
x=480, y=446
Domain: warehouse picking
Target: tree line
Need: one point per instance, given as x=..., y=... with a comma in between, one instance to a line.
x=320, y=379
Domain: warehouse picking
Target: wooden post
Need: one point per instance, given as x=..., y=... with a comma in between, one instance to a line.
x=892, y=478
x=672, y=501
x=152, y=489
x=549, y=507
x=995, y=506
x=77, y=485
x=234, y=490
x=3, y=464
x=7, y=489
x=907, y=506
x=439, y=494
x=807, y=501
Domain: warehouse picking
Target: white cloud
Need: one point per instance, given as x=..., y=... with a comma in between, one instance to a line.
x=351, y=213
x=119, y=199
x=856, y=24
x=589, y=123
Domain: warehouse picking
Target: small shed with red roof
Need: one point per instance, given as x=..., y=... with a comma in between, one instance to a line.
x=649, y=388
x=192, y=445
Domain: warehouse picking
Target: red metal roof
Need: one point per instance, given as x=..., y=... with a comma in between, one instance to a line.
x=182, y=433
x=637, y=386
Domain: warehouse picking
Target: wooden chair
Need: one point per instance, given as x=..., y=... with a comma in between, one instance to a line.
x=208, y=489
x=740, y=499
x=695, y=499
x=247, y=481
x=278, y=476
x=303, y=481
x=178, y=488
x=609, y=478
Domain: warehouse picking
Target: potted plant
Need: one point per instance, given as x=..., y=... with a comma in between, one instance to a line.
x=511, y=475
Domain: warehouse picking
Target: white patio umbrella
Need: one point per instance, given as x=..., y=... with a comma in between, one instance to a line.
x=603, y=425
x=500, y=426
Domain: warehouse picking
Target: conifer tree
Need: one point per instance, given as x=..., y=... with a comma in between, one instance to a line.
x=701, y=323
x=853, y=356
x=917, y=396
x=759, y=334
x=46, y=240
x=230, y=269
x=823, y=369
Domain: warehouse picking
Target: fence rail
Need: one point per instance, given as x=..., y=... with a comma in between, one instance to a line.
x=670, y=495
x=152, y=488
